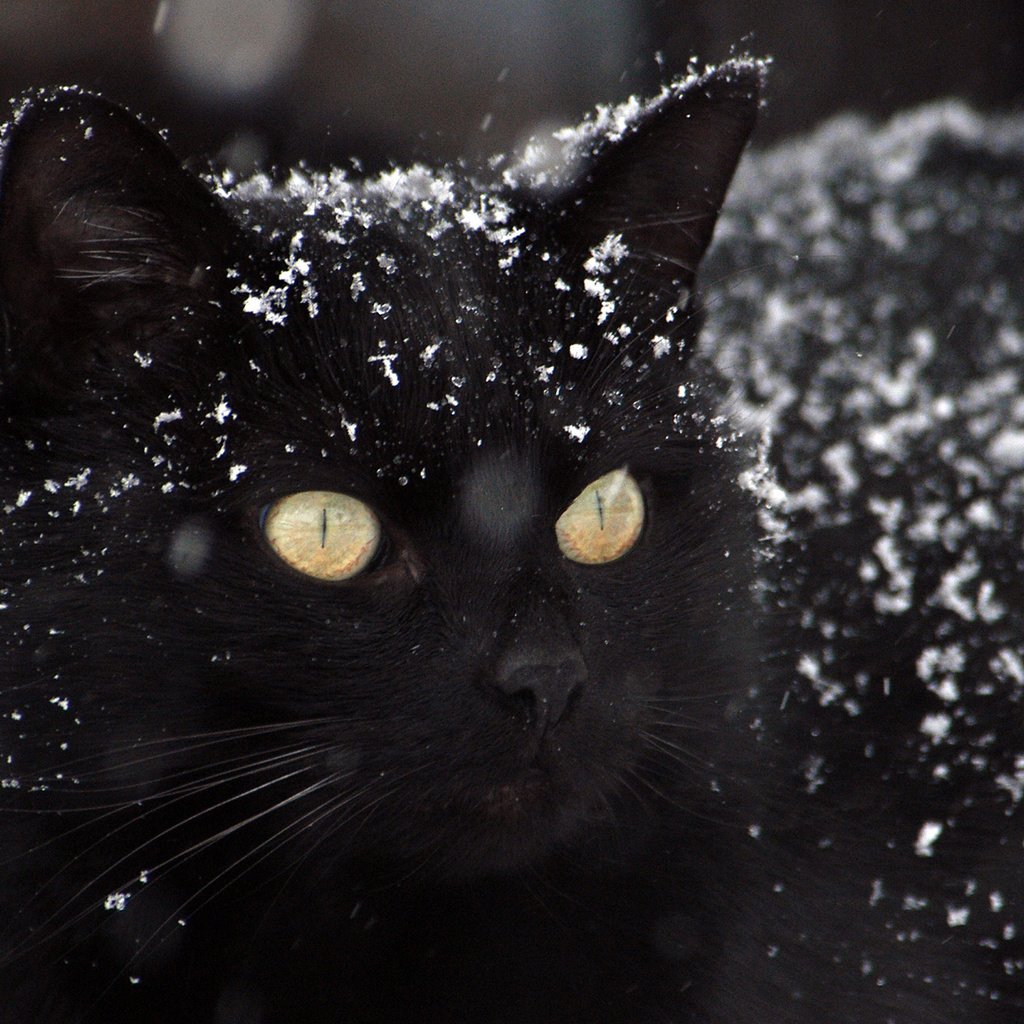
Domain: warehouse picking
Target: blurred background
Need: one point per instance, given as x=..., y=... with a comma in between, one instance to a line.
x=269, y=82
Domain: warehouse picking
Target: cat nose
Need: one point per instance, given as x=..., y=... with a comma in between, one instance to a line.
x=543, y=683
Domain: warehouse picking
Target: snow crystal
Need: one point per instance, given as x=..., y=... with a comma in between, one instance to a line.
x=936, y=726
x=877, y=892
x=117, y=901
x=957, y=917
x=1007, y=448
x=933, y=661
x=886, y=228
x=898, y=595
x=222, y=412
x=949, y=593
x=1008, y=665
x=79, y=480
x=812, y=769
x=761, y=481
x=839, y=459
x=989, y=609
x=1013, y=784
x=982, y=513
x=607, y=254
x=166, y=417
x=387, y=361
x=270, y=304
x=471, y=220
x=828, y=690
x=926, y=837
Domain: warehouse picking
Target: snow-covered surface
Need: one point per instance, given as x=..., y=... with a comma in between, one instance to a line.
x=865, y=301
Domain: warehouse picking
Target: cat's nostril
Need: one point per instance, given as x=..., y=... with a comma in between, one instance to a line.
x=524, y=699
x=543, y=687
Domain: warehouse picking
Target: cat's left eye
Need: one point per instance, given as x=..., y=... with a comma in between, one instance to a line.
x=324, y=534
x=604, y=522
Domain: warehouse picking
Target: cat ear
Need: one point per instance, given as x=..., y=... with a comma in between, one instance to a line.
x=660, y=182
x=103, y=239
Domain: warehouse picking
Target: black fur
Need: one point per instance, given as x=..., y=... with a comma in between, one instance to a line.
x=233, y=793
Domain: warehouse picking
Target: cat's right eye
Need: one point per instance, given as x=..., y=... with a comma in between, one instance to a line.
x=324, y=534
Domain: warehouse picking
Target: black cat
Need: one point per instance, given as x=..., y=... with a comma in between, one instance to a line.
x=398, y=627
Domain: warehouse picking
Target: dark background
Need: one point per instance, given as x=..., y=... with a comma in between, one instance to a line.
x=275, y=81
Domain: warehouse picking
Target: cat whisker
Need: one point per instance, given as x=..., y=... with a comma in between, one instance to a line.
x=161, y=799
x=647, y=784
x=230, y=830
x=199, y=776
x=83, y=914
x=685, y=698
x=164, y=868
x=266, y=848
x=622, y=778
x=327, y=834
x=204, y=739
x=397, y=786
x=692, y=726
x=673, y=751
x=705, y=771
x=158, y=836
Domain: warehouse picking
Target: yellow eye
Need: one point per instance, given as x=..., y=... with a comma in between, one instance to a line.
x=604, y=522
x=323, y=534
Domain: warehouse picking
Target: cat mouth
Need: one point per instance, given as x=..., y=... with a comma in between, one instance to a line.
x=510, y=802
x=507, y=825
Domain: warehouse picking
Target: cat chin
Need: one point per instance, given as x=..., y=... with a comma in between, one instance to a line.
x=503, y=829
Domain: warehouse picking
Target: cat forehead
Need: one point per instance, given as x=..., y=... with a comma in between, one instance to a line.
x=498, y=497
x=464, y=284
x=437, y=315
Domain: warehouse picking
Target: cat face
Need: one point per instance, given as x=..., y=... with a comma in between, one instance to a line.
x=387, y=519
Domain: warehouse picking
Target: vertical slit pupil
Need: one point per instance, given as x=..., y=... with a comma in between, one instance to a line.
x=323, y=528
x=600, y=509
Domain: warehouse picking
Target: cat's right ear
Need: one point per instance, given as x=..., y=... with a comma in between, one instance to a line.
x=107, y=245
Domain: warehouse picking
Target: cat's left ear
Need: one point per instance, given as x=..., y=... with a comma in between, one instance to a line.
x=106, y=243
x=660, y=180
